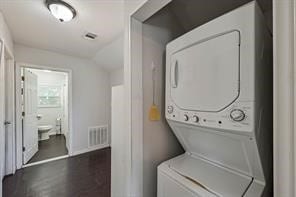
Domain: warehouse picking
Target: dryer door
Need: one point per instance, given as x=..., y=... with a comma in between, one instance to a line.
x=205, y=75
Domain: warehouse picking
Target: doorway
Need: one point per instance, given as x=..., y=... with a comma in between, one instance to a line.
x=44, y=104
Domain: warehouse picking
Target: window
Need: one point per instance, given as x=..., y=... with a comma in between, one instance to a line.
x=49, y=96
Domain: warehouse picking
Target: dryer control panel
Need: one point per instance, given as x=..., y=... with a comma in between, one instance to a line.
x=237, y=117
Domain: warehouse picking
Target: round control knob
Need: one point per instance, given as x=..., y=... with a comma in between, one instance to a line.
x=237, y=115
x=195, y=119
x=170, y=109
x=186, y=118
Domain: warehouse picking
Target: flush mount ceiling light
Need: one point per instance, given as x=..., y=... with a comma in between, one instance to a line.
x=61, y=10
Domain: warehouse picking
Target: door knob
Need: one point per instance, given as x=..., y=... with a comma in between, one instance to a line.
x=7, y=122
x=39, y=116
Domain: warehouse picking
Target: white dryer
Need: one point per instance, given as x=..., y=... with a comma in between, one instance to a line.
x=219, y=105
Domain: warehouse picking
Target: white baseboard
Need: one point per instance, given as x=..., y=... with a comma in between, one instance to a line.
x=51, y=134
x=89, y=149
x=45, y=161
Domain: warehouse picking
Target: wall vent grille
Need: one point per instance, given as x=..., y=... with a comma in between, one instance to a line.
x=98, y=136
x=90, y=36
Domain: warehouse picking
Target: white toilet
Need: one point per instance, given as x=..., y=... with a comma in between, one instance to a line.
x=43, y=132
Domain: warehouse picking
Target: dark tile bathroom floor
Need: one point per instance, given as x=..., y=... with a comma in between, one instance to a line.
x=85, y=175
x=55, y=146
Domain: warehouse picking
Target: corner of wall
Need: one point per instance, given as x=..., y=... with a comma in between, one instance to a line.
x=116, y=77
x=5, y=34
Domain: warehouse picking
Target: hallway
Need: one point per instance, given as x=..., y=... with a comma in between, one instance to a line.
x=86, y=175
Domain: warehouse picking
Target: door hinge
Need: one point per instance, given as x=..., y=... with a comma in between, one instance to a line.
x=23, y=113
x=24, y=149
x=23, y=78
x=22, y=91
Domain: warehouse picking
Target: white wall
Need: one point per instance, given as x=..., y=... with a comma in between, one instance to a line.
x=50, y=114
x=118, y=145
x=5, y=34
x=116, y=77
x=91, y=89
x=111, y=56
x=160, y=144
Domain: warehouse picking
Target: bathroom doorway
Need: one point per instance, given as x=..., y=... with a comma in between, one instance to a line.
x=45, y=129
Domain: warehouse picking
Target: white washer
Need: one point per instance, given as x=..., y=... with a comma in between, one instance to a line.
x=219, y=105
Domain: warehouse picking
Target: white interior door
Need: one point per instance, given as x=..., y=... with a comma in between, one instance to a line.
x=30, y=126
x=9, y=115
x=118, y=156
x=2, y=116
x=65, y=120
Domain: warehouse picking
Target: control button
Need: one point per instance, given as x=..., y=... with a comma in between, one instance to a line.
x=237, y=115
x=186, y=118
x=195, y=119
x=170, y=109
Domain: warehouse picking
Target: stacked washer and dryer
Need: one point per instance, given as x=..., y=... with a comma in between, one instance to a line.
x=219, y=105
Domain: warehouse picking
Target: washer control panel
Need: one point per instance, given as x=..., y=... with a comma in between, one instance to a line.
x=170, y=109
x=238, y=116
x=195, y=118
x=186, y=117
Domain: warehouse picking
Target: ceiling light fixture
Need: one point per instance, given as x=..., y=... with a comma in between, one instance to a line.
x=61, y=10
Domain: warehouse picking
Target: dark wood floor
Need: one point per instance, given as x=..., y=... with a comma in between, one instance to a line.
x=86, y=175
x=55, y=146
